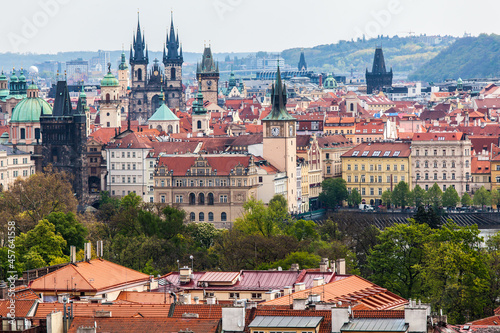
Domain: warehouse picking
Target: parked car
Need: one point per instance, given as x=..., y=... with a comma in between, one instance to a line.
x=366, y=208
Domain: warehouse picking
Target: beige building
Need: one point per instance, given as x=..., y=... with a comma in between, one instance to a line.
x=14, y=163
x=110, y=105
x=442, y=158
x=210, y=188
x=332, y=147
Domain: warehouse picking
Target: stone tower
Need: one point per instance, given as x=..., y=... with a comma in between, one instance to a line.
x=123, y=76
x=379, y=77
x=110, y=106
x=280, y=144
x=199, y=115
x=302, y=62
x=172, y=60
x=208, y=74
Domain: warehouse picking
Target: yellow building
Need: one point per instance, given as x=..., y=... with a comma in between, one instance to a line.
x=495, y=168
x=374, y=167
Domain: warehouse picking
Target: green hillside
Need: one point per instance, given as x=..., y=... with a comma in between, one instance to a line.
x=466, y=58
x=404, y=55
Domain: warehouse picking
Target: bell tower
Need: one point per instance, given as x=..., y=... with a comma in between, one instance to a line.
x=280, y=143
x=199, y=115
x=139, y=58
x=172, y=59
x=208, y=73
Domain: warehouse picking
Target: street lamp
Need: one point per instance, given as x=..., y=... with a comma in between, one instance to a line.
x=192, y=264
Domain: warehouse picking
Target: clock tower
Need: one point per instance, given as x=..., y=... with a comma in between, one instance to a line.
x=280, y=145
x=208, y=74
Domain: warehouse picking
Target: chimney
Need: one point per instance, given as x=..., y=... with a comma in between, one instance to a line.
x=185, y=298
x=72, y=254
x=99, y=249
x=287, y=290
x=185, y=275
x=323, y=265
x=196, y=300
x=300, y=286
x=211, y=300
x=295, y=267
x=340, y=266
x=319, y=281
x=87, y=251
x=416, y=316
x=299, y=303
x=340, y=316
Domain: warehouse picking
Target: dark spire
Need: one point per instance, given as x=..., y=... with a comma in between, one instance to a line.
x=378, y=62
x=302, y=62
x=62, y=102
x=278, y=100
x=172, y=44
x=139, y=43
x=208, y=64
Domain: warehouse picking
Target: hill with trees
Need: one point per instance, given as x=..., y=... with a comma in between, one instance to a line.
x=469, y=57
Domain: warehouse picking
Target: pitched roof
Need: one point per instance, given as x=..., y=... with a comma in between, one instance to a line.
x=131, y=325
x=22, y=307
x=204, y=311
x=222, y=163
x=144, y=297
x=380, y=150
x=349, y=289
x=117, y=310
x=441, y=136
x=163, y=113
x=94, y=275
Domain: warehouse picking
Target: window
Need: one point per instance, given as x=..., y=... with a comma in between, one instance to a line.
x=112, y=166
x=210, y=198
x=327, y=156
x=395, y=167
x=355, y=153
x=444, y=152
x=498, y=179
x=426, y=176
x=365, y=153
x=371, y=167
x=123, y=166
x=362, y=178
x=395, y=179
x=257, y=295
x=444, y=164
x=453, y=176
x=417, y=152
x=388, y=179
x=466, y=163
x=425, y=152
x=388, y=168
x=371, y=191
x=223, y=217
x=372, y=179
x=355, y=179
x=128, y=154
x=178, y=198
x=362, y=167
x=234, y=295
x=467, y=176
x=162, y=199
x=435, y=176
x=201, y=198
x=380, y=167
x=426, y=187
x=387, y=153
x=25, y=173
x=363, y=191
x=402, y=167
x=192, y=199
x=396, y=153
x=201, y=216
x=418, y=176
x=223, y=198
x=210, y=217
x=380, y=179
x=435, y=152
x=380, y=191
x=435, y=164
x=348, y=179
x=417, y=164
x=133, y=154
x=133, y=166
x=355, y=167
x=328, y=169
x=376, y=153
x=444, y=175
x=426, y=164
x=123, y=179
x=112, y=180
x=444, y=187
x=402, y=178
x=128, y=166
x=112, y=154
x=192, y=216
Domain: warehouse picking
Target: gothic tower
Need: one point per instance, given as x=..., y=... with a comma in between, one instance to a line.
x=302, y=62
x=379, y=77
x=172, y=60
x=123, y=76
x=280, y=145
x=208, y=73
x=139, y=60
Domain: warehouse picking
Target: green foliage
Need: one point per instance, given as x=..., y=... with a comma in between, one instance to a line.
x=495, y=198
x=427, y=216
x=303, y=230
x=304, y=259
x=387, y=198
x=467, y=57
x=334, y=191
x=401, y=194
x=354, y=198
x=450, y=197
x=69, y=228
x=482, y=197
x=434, y=196
x=418, y=196
x=395, y=260
x=466, y=200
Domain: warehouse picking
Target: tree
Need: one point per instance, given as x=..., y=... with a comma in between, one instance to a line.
x=277, y=212
x=395, y=260
x=434, y=196
x=450, y=197
x=387, y=198
x=482, y=197
x=304, y=259
x=30, y=200
x=401, y=195
x=255, y=220
x=69, y=228
x=334, y=191
x=495, y=198
x=466, y=200
x=418, y=196
x=354, y=198
x=40, y=246
x=427, y=216
x=455, y=272
x=303, y=229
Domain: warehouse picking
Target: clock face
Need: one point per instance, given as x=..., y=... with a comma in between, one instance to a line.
x=209, y=82
x=275, y=131
x=155, y=73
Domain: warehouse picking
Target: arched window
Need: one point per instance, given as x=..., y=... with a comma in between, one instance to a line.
x=172, y=73
x=435, y=164
x=426, y=164
x=210, y=198
x=169, y=129
x=198, y=124
x=108, y=98
x=210, y=217
x=139, y=102
x=192, y=199
x=139, y=74
x=192, y=216
x=223, y=217
x=202, y=217
x=201, y=199
x=452, y=164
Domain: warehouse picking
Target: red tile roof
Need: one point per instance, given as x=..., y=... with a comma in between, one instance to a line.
x=117, y=310
x=380, y=150
x=441, y=136
x=222, y=163
x=480, y=166
x=145, y=297
x=204, y=311
x=22, y=307
x=132, y=325
x=489, y=321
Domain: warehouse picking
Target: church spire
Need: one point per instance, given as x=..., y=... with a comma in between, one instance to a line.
x=172, y=43
x=302, y=62
x=278, y=100
x=139, y=43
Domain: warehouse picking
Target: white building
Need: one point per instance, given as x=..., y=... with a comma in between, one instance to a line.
x=14, y=163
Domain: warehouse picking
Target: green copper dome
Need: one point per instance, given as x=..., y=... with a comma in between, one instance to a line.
x=22, y=78
x=3, y=77
x=330, y=82
x=29, y=110
x=109, y=80
x=13, y=77
x=32, y=86
x=459, y=81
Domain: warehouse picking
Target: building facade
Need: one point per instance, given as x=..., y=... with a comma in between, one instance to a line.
x=14, y=163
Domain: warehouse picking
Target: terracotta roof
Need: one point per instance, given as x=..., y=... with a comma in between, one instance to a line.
x=145, y=297
x=489, y=321
x=378, y=313
x=222, y=163
x=204, y=311
x=117, y=310
x=24, y=292
x=104, y=135
x=253, y=128
x=380, y=150
x=441, y=136
x=22, y=307
x=333, y=141
x=94, y=275
x=166, y=325
x=350, y=289
x=131, y=140
x=480, y=166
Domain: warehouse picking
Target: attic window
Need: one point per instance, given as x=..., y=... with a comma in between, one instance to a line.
x=365, y=153
x=396, y=153
x=355, y=153
x=376, y=153
x=387, y=153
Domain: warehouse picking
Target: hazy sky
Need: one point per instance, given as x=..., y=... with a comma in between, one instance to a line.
x=49, y=26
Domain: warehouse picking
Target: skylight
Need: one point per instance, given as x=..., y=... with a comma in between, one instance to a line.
x=387, y=153
x=396, y=153
x=365, y=153
x=355, y=153
x=376, y=153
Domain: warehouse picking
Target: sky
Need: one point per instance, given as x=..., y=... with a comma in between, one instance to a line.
x=50, y=26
